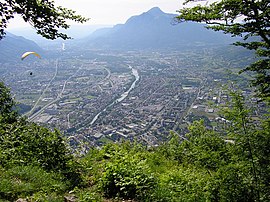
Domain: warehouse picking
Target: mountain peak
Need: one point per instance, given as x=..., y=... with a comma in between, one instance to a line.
x=154, y=30
x=155, y=11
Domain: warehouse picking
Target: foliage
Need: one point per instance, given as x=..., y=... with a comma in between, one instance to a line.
x=33, y=159
x=236, y=163
x=21, y=181
x=184, y=184
x=204, y=148
x=23, y=143
x=202, y=166
x=43, y=15
x=235, y=183
x=46, y=197
x=88, y=195
x=252, y=140
x=126, y=175
x=205, y=165
x=225, y=15
x=7, y=105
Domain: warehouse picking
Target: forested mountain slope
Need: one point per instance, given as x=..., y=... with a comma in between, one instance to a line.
x=12, y=47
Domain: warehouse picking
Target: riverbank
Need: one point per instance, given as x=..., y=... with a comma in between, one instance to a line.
x=135, y=73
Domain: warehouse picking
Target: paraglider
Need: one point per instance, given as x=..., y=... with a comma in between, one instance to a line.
x=29, y=73
x=26, y=54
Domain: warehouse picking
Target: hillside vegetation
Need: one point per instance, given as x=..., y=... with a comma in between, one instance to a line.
x=231, y=165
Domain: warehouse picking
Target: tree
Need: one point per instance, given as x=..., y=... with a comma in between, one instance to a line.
x=225, y=16
x=7, y=106
x=23, y=143
x=251, y=144
x=43, y=15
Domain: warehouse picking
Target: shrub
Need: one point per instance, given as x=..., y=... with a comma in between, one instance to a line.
x=127, y=175
x=184, y=184
x=7, y=105
x=23, y=143
x=235, y=183
x=29, y=143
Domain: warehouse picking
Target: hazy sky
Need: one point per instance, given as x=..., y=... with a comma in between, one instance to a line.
x=111, y=12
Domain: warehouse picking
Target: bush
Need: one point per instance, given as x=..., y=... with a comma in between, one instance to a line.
x=235, y=183
x=7, y=105
x=184, y=184
x=23, y=143
x=127, y=175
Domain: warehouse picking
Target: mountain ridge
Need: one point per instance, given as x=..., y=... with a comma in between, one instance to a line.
x=155, y=29
x=13, y=46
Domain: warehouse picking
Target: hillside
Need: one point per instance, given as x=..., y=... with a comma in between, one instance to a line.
x=205, y=165
x=227, y=162
x=75, y=32
x=155, y=29
x=12, y=47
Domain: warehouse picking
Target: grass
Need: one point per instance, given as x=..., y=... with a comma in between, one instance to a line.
x=22, y=181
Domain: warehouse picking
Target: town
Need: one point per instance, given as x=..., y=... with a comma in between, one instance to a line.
x=140, y=96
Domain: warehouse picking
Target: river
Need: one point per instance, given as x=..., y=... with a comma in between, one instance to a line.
x=123, y=96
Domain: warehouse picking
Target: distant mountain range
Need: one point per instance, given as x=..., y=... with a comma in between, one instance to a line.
x=154, y=29
x=75, y=31
x=12, y=47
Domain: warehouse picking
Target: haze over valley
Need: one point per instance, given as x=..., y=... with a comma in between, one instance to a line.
x=136, y=81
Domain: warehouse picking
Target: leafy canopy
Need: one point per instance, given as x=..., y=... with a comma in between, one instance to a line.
x=43, y=15
x=249, y=19
x=7, y=105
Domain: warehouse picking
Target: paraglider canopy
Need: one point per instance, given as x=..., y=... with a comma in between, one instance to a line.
x=26, y=54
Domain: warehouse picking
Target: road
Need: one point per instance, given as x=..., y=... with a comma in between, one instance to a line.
x=44, y=91
x=60, y=95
